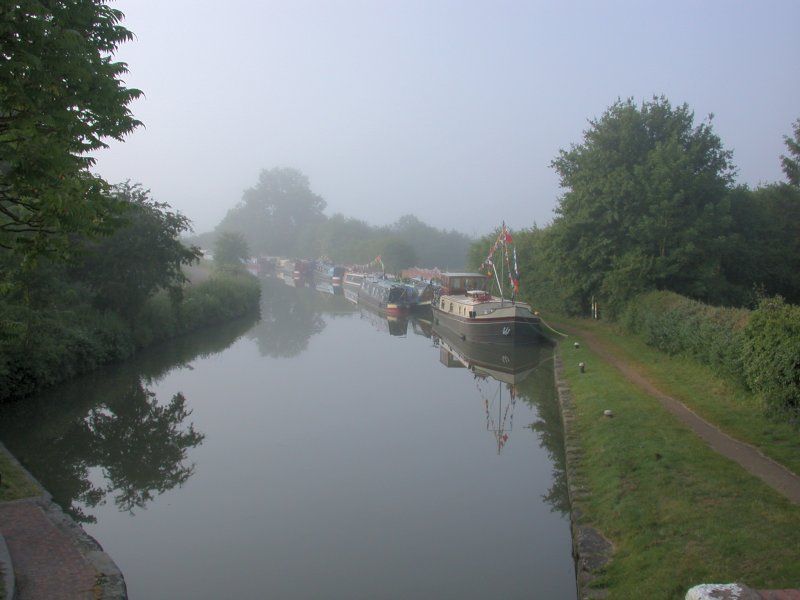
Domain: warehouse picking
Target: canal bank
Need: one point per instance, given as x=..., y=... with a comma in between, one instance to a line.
x=676, y=513
x=590, y=548
x=46, y=553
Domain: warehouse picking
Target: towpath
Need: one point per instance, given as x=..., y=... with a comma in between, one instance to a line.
x=748, y=457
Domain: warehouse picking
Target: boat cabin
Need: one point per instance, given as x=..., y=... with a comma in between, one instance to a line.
x=354, y=279
x=461, y=283
x=384, y=291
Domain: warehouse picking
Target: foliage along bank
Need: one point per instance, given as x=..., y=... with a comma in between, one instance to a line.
x=47, y=346
x=65, y=314
x=759, y=348
x=652, y=228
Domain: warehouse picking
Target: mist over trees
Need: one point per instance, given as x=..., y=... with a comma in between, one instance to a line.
x=649, y=203
x=282, y=216
x=274, y=212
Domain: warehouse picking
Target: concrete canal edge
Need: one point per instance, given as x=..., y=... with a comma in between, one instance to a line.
x=109, y=581
x=590, y=549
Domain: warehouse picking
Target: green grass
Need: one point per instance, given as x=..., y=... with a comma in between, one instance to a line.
x=678, y=513
x=15, y=484
x=714, y=397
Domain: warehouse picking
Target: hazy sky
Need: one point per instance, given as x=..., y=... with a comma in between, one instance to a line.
x=448, y=110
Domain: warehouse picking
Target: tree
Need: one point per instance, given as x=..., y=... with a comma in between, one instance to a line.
x=433, y=247
x=272, y=214
x=763, y=256
x=397, y=254
x=644, y=205
x=791, y=163
x=231, y=249
x=141, y=256
x=60, y=96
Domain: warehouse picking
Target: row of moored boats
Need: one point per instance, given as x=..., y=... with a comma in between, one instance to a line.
x=460, y=302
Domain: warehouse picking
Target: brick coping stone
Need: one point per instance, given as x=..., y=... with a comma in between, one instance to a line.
x=53, y=557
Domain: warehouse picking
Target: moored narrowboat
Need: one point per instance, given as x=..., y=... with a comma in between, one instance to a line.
x=352, y=283
x=302, y=269
x=390, y=297
x=326, y=271
x=471, y=312
x=420, y=294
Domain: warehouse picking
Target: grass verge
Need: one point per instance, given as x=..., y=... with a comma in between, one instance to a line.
x=678, y=513
x=15, y=483
x=711, y=395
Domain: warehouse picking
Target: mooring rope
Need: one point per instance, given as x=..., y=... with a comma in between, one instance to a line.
x=543, y=322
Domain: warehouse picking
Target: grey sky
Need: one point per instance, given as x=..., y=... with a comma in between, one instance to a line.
x=448, y=110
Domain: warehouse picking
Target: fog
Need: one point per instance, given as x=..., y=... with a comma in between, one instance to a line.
x=448, y=110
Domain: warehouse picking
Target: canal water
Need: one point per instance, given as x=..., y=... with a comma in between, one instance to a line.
x=321, y=451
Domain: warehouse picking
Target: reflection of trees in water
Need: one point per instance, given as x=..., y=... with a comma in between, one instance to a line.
x=287, y=323
x=539, y=391
x=141, y=445
x=111, y=421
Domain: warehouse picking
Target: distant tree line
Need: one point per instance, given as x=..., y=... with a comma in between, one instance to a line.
x=282, y=216
x=649, y=203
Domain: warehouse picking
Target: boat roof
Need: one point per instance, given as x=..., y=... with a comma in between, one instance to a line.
x=385, y=282
x=472, y=300
x=463, y=275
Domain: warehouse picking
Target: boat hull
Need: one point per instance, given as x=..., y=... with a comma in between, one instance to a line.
x=388, y=308
x=511, y=329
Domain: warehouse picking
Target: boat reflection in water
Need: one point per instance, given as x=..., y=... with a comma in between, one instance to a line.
x=396, y=325
x=292, y=281
x=328, y=288
x=497, y=369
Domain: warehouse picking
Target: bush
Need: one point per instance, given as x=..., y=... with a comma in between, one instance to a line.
x=39, y=348
x=678, y=325
x=771, y=356
x=760, y=348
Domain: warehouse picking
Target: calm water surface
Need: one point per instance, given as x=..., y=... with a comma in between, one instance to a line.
x=319, y=452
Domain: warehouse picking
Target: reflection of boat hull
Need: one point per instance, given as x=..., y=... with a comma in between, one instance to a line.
x=387, y=308
x=507, y=363
x=510, y=324
x=395, y=325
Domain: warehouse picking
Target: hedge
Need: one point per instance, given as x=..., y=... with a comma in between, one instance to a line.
x=41, y=348
x=760, y=348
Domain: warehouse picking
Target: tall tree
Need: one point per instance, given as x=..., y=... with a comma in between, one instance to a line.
x=61, y=96
x=791, y=163
x=397, y=254
x=644, y=204
x=272, y=214
x=764, y=254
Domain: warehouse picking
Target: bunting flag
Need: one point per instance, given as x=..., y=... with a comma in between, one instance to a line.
x=375, y=262
x=504, y=239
